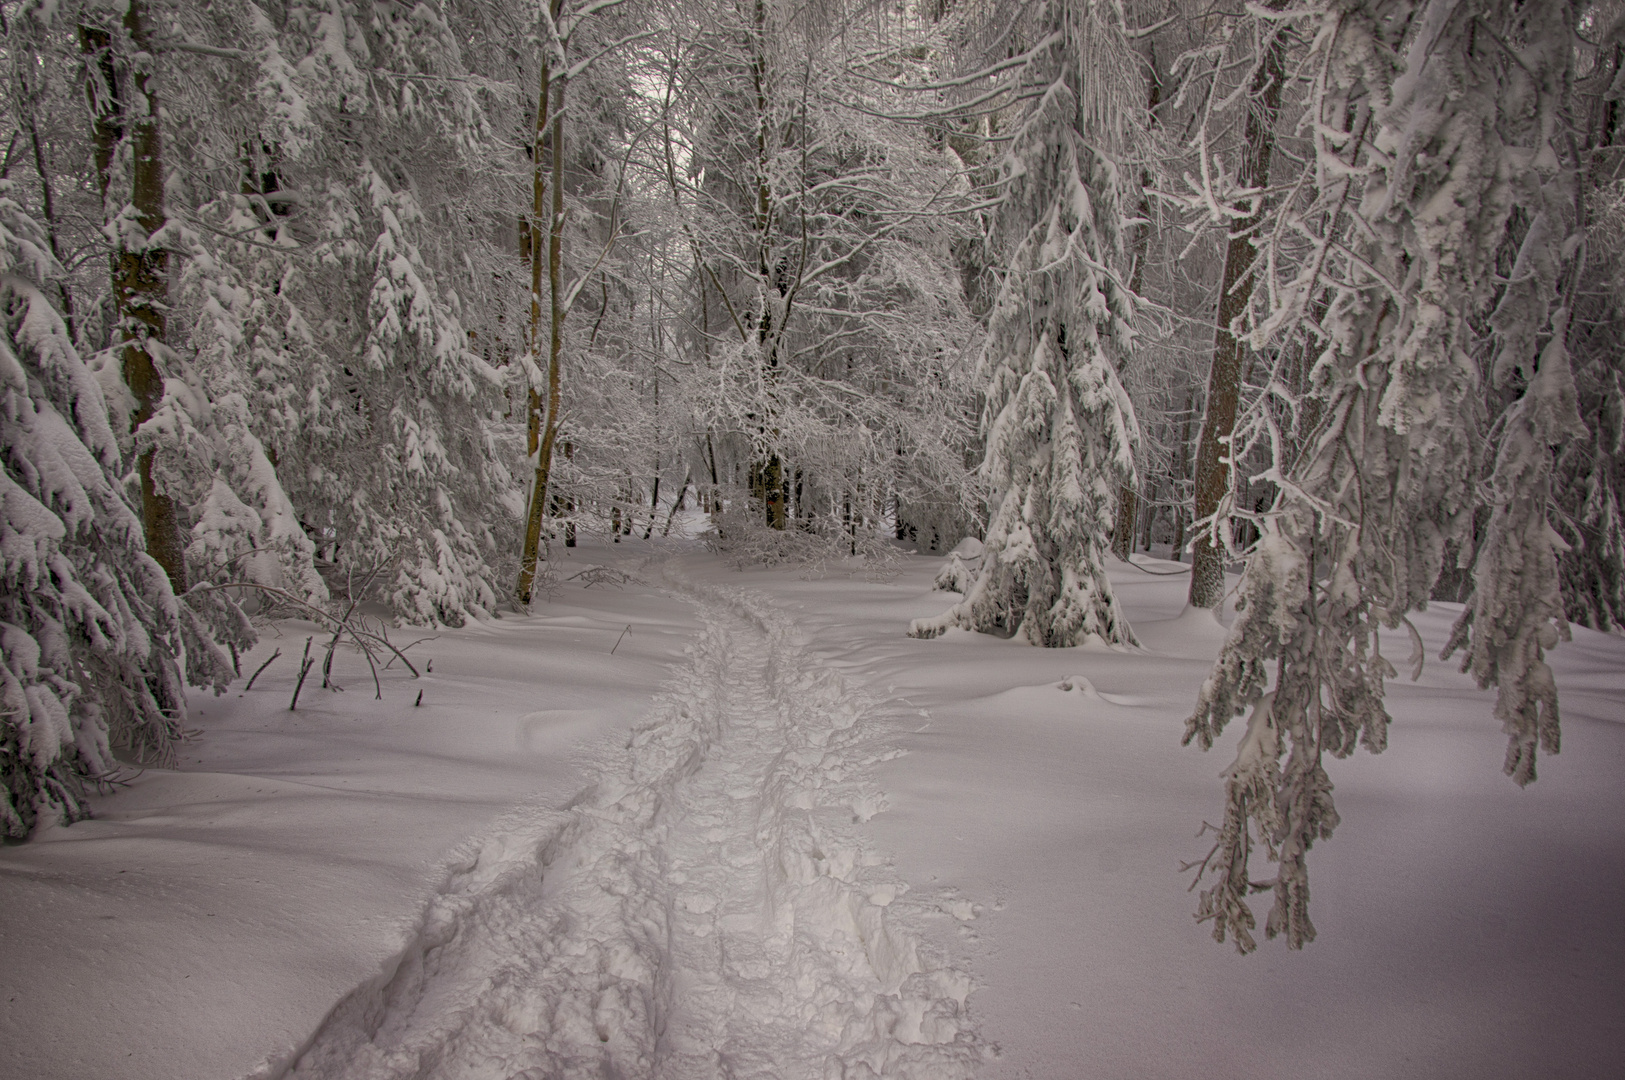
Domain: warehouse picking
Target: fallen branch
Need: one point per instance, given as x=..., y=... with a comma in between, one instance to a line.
x=602, y=575
x=305, y=663
x=259, y=669
x=408, y=645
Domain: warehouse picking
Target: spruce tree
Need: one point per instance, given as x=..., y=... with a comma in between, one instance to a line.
x=89, y=627
x=1059, y=426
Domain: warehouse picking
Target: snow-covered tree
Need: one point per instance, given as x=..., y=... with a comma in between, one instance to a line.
x=159, y=328
x=336, y=212
x=89, y=629
x=1590, y=485
x=1059, y=426
x=1437, y=139
x=795, y=309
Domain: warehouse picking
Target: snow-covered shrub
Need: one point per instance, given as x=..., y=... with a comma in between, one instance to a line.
x=955, y=576
x=89, y=630
x=964, y=563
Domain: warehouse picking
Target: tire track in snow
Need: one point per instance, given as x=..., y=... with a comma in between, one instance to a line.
x=704, y=910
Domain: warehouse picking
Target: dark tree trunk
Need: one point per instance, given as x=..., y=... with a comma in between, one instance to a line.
x=1128, y=499
x=1214, y=479
x=48, y=207
x=140, y=274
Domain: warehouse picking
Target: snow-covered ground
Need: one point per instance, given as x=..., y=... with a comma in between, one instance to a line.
x=770, y=836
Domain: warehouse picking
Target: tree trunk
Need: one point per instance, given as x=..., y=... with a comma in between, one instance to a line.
x=47, y=194
x=682, y=499
x=1128, y=499
x=140, y=273
x=1180, y=472
x=1214, y=467
x=654, y=503
x=1128, y=511
x=769, y=473
x=716, y=481
x=543, y=419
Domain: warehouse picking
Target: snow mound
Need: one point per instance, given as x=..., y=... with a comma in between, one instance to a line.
x=1079, y=683
x=704, y=909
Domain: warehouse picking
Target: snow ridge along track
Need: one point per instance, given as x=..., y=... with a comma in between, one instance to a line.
x=704, y=910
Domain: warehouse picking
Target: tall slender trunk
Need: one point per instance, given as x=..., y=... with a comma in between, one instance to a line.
x=654, y=494
x=682, y=499
x=1214, y=466
x=1180, y=472
x=716, y=482
x=1128, y=512
x=139, y=271
x=767, y=475
x=542, y=426
x=1128, y=498
x=1148, y=518
x=565, y=507
x=654, y=501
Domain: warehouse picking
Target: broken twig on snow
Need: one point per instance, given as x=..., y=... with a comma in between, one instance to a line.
x=305, y=663
x=259, y=669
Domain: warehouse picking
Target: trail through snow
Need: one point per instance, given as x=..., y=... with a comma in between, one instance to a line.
x=705, y=909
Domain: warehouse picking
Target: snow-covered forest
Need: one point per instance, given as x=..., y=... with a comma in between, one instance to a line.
x=379, y=323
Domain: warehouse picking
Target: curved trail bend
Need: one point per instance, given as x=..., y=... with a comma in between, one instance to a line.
x=704, y=910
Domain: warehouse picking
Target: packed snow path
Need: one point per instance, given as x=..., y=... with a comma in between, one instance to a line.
x=704, y=910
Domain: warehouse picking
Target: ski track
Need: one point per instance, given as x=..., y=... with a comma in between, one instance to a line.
x=704, y=910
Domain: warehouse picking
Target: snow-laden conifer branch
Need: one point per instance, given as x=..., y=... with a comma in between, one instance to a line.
x=89, y=627
x=1384, y=483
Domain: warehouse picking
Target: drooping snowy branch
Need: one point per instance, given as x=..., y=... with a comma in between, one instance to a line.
x=1385, y=482
x=89, y=628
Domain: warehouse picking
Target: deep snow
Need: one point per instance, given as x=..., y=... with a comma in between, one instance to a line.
x=445, y=877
